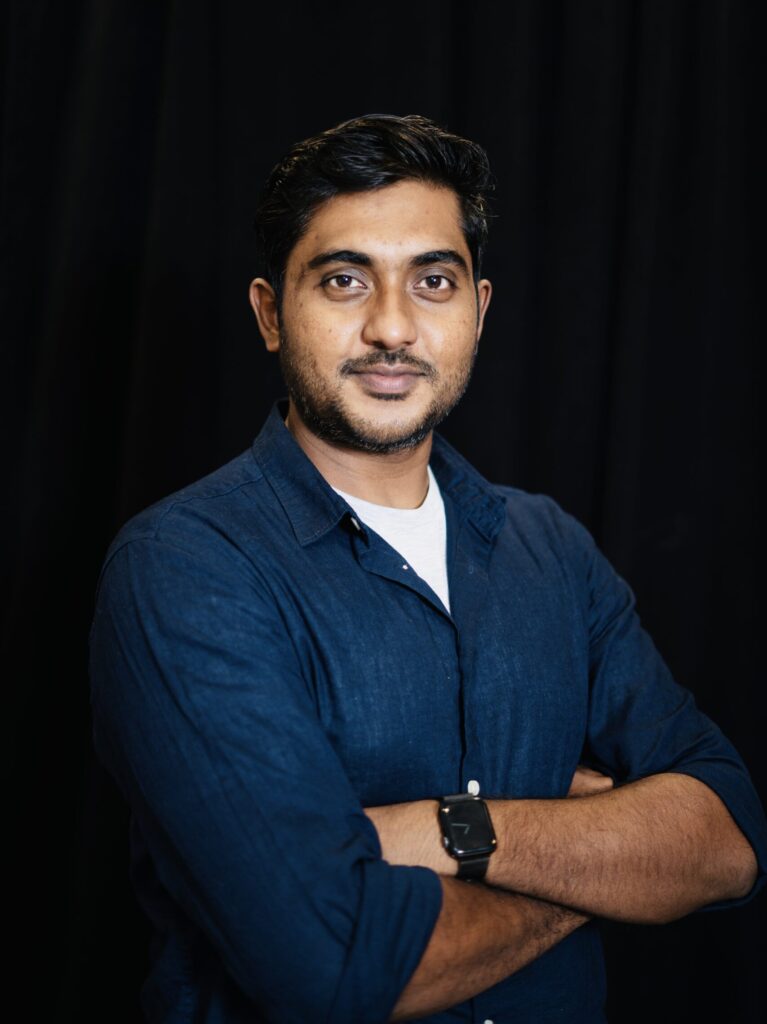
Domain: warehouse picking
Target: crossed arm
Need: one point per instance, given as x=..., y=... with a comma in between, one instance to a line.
x=648, y=852
x=206, y=748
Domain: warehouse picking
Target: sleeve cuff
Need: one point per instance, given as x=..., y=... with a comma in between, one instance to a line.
x=391, y=936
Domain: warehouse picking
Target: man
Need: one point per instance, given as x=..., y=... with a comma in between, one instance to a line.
x=308, y=665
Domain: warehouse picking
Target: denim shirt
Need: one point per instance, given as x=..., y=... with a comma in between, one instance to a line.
x=264, y=666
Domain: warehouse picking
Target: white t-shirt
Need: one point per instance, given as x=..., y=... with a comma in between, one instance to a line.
x=418, y=534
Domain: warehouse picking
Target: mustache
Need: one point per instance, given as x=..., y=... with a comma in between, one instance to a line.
x=372, y=359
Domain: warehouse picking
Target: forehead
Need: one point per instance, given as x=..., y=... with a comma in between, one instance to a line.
x=395, y=221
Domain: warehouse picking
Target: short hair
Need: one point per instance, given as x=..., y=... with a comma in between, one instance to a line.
x=364, y=154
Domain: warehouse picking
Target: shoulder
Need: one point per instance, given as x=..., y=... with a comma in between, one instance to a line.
x=555, y=538
x=541, y=520
x=503, y=511
x=528, y=506
x=538, y=531
x=219, y=513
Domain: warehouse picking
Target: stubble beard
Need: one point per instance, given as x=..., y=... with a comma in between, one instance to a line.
x=322, y=411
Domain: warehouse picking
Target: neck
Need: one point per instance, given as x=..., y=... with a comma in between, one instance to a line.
x=398, y=479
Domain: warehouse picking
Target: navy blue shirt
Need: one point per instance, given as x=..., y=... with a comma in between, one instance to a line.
x=263, y=667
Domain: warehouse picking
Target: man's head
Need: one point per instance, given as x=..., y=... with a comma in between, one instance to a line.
x=360, y=155
x=372, y=236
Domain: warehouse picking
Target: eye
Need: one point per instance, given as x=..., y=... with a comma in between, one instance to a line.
x=436, y=283
x=343, y=282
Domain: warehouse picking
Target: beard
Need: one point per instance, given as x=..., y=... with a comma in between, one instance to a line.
x=321, y=407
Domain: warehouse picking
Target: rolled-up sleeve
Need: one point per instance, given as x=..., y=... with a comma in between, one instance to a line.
x=641, y=721
x=210, y=729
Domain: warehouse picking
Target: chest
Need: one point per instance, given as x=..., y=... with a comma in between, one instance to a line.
x=415, y=701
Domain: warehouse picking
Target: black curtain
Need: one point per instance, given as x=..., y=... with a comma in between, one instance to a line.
x=617, y=371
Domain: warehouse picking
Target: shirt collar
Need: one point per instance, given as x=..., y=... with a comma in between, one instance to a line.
x=313, y=507
x=474, y=496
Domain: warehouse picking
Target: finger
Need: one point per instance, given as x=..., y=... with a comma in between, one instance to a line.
x=587, y=781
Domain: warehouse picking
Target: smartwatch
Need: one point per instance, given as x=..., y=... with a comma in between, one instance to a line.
x=467, y=833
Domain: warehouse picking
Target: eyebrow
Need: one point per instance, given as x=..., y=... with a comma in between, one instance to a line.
x=361, y=259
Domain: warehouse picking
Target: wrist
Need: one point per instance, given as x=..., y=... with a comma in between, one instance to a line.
x=441, y=861
x=468, y=835
x=502, y=812
x=409, y=833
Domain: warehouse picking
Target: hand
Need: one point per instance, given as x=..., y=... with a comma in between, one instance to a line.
x=587, y=781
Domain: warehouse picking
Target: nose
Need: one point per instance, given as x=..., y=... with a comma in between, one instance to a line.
x=390, y=323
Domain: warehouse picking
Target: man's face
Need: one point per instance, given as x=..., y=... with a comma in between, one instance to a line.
x=380, y=317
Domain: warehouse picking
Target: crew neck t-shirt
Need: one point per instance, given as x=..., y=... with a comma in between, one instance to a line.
x=418, y=534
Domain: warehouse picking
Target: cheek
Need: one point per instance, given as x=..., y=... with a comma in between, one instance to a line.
x=313, y=342
x=308, y=318
x=455, y=339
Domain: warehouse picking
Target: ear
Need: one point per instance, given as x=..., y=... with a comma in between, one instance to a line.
x=264, y=303
x=484, y=292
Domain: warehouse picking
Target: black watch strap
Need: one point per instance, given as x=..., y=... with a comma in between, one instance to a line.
x=473, y=868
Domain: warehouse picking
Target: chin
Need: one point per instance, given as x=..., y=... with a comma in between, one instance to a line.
x=371, y=435
x=375, y=424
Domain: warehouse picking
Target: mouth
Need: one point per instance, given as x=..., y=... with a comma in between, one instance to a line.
x=390, y=380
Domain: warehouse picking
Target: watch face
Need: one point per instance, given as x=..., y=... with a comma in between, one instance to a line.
x=468, y=828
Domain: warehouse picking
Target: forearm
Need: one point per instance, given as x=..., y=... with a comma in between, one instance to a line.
x=648, y=852
x=482, y=936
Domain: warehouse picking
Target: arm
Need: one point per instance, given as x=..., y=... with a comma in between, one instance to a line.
x=482, y=936
x=204, y=718
x=647, y=852
x=685, y=830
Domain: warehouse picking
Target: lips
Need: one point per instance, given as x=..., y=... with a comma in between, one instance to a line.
x=388, y=379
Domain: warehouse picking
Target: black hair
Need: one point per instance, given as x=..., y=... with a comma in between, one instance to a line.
x=362, y=154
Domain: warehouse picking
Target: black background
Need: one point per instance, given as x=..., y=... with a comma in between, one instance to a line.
x=617, y=371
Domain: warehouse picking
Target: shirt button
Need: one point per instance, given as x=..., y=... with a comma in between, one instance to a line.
x=473, y=788
x=355, y=524
x=405, y=567
x=488, y=1021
